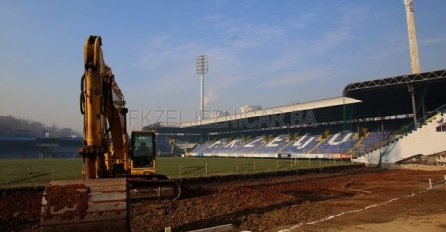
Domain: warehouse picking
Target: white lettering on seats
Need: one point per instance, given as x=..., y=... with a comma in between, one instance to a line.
x=273, y=143
x=298, y=144
x=233, y=143
x=251, y=144
x=215, y=144
x=345, y=139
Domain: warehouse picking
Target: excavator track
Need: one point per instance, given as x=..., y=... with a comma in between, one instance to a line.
x=146, y=188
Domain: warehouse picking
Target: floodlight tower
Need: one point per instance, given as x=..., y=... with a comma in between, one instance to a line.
x=202, y=68
x=414, y=58
x=410, y=17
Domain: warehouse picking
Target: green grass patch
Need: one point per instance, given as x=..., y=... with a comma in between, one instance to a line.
x=35, y=172
x=196, y=166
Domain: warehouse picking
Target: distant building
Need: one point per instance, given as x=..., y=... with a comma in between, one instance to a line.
x=248, y=108
x=218, y=113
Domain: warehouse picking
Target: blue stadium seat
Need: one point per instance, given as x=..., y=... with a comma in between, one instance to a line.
x=274, y=145
x=214, y=146
x=339, y=143
x=282, y=145
x=163, y=145
x=231, y=146
x=250, y=146
x=301, y=145
x=373, y=138
x=200, y=148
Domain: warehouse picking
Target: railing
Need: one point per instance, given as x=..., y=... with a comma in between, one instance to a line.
x=358, y=151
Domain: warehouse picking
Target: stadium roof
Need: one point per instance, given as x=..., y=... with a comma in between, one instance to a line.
x=391, y=96
x=376, y=98
x=312, y=105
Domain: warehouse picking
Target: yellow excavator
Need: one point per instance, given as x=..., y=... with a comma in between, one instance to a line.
x=116, y=170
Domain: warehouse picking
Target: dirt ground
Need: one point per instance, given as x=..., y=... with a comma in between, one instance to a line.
x=355, y=200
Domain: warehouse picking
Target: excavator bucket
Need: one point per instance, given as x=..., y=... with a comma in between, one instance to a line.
x=85, y=205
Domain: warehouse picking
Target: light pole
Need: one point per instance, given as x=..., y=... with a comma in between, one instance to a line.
x=414, y=58
x=202, y=68
x=410, y=17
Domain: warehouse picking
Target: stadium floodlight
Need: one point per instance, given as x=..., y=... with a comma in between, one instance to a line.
x=202, y=68
x=202, y=64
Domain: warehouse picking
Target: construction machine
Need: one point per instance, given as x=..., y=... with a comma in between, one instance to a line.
x=116, y=168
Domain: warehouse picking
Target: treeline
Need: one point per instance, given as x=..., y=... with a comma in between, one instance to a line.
x=11, y=126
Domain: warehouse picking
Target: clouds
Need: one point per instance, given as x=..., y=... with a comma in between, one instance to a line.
x=297, y=78
x=246, y=52
x=303, y=20
x=433, y=40
x=155, y=53
x=239, y=34
x=350, y=18
x=211, y=96
x=173, y=58
x=260, y=52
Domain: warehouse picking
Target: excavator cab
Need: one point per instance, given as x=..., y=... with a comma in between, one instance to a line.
x=143, y=153
x=143, y=181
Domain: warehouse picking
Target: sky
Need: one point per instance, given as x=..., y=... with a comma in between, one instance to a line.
x=262, y=52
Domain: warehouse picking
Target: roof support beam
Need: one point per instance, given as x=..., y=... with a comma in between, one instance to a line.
x=414, y=107
x=399, y=80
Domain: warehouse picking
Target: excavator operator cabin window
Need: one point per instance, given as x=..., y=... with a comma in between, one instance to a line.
x=143, y=146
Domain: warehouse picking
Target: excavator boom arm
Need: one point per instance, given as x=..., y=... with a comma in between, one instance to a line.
x=105, y=132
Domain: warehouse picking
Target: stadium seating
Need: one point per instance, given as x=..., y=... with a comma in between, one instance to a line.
x=27, y=147
x=213, y=146
x=163, y=146
x=231, y=146
x=274, y=145
x=199, y=149
x=372, y=138
x=251, y=145
x=302, y=144
x=328, y=142
x=339, y=143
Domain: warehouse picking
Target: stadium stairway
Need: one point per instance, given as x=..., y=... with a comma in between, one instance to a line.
x=427, y=139
x=360, y=141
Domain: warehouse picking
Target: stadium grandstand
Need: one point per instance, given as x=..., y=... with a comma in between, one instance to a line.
x=378, y=121
x=32, y=147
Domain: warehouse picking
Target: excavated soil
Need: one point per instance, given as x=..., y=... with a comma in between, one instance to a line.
x=288, y=203
x=281, y=203
x=20, y=210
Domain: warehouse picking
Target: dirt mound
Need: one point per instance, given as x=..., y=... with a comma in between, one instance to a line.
x=20, y=210
x=269, y=203
x=438, y=159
